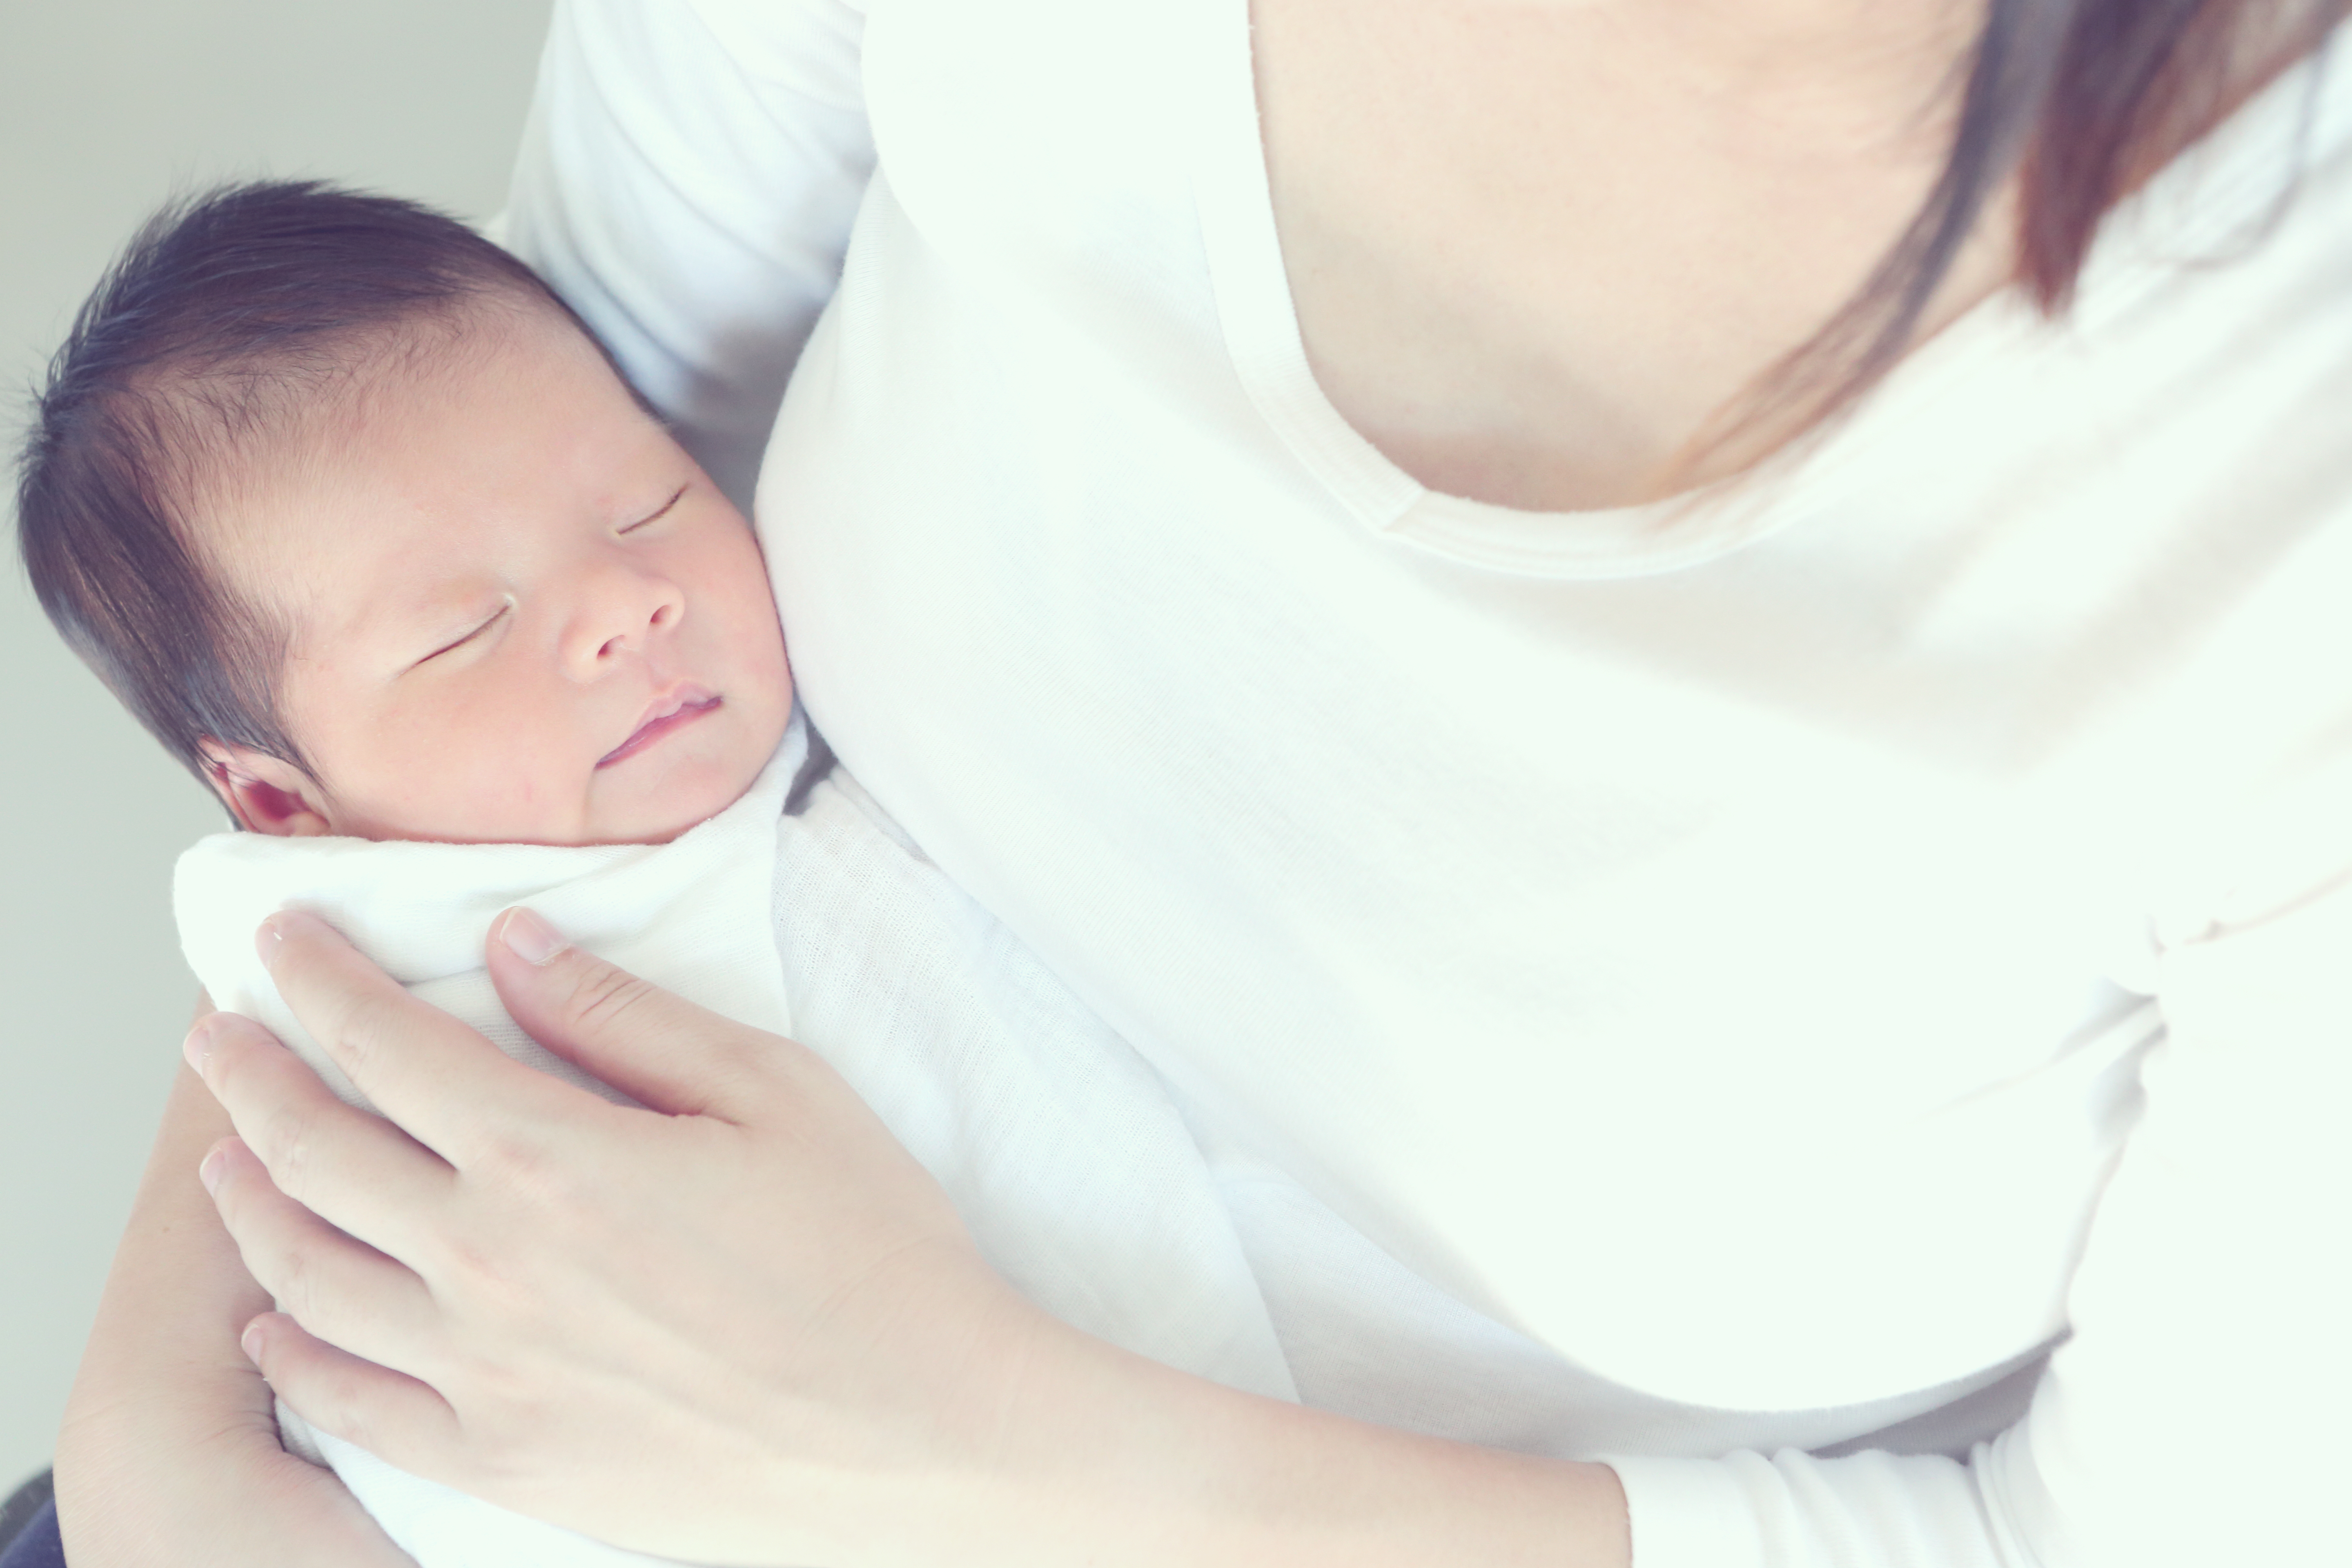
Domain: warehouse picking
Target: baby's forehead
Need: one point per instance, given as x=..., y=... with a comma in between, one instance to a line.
x=282, y=440
x=367, y=445
x=259, y=489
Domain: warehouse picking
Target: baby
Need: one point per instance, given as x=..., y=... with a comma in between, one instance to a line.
x=356, y=517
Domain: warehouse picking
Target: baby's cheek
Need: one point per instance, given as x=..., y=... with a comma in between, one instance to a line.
x=756, y=640
x=513, y=776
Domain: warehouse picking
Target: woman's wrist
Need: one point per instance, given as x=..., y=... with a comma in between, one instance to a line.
x=1107, y=1456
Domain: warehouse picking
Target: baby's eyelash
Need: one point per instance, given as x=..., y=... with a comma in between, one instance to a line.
x=469, y=637
x=660, y=511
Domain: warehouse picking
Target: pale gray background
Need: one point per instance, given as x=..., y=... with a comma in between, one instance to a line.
x=107, y=107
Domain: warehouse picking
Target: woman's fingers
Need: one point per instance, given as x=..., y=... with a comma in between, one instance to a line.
x=397, y=1418
x=336, y=1286
x=651, y=1044
x=355, y=1171
x=445, y=1085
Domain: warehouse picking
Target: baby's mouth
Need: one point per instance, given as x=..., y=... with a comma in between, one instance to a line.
x=674, y=709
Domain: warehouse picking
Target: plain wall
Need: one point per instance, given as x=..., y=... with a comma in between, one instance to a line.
x=106, y=108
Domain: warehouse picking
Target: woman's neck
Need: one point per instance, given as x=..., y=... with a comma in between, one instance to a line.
x=1537, y=247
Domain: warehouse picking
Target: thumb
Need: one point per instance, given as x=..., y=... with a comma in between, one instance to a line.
x=651, y=1044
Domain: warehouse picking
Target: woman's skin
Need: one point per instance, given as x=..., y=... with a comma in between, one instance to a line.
x=1492, y=289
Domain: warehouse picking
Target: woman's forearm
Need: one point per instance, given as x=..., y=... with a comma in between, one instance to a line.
x=1275, y=1484
x=164, y=1341
x=169, y=1452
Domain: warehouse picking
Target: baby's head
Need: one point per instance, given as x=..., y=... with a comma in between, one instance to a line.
x=354, y=514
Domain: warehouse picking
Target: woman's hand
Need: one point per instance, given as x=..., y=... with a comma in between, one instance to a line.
x=744, y=1326
x=169, y=1456
x=726, y=1328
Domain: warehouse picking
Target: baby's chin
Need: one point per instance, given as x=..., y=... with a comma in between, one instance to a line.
x=663, y=803
x=663, y=827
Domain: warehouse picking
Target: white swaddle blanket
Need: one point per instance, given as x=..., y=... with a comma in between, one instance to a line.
x=1060, y=1148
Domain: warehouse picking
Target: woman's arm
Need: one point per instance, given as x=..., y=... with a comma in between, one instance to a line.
x=768, y=1334
x=169, y=1454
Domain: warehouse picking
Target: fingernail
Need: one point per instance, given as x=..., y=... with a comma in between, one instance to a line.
x=197, y=1048
x=531, y=938
x=209, y=1173
x=249, y=1342
x=265, y=941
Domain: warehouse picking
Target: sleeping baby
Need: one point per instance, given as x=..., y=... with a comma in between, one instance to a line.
x=355, y=516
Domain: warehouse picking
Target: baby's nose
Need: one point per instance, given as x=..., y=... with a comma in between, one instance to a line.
x=622, y=613
x=664, y=612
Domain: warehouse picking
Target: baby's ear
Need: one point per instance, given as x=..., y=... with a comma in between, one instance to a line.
x=264, y=794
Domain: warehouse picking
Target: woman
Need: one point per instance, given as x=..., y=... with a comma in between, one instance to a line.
x=1704, y=739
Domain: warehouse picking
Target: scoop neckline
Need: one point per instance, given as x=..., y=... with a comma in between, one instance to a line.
x=2216, y=184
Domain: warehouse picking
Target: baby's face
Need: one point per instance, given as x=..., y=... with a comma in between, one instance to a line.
x=520, y=612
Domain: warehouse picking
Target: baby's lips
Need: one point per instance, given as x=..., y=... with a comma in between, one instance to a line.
x=673, y=710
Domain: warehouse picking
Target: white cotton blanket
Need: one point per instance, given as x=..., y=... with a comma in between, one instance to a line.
x=1060, y=1148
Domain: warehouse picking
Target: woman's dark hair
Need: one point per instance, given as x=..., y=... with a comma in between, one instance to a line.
x=2080, y=100
x=226, y=313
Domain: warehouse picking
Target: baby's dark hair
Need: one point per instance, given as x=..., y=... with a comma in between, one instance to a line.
x=226, y=317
